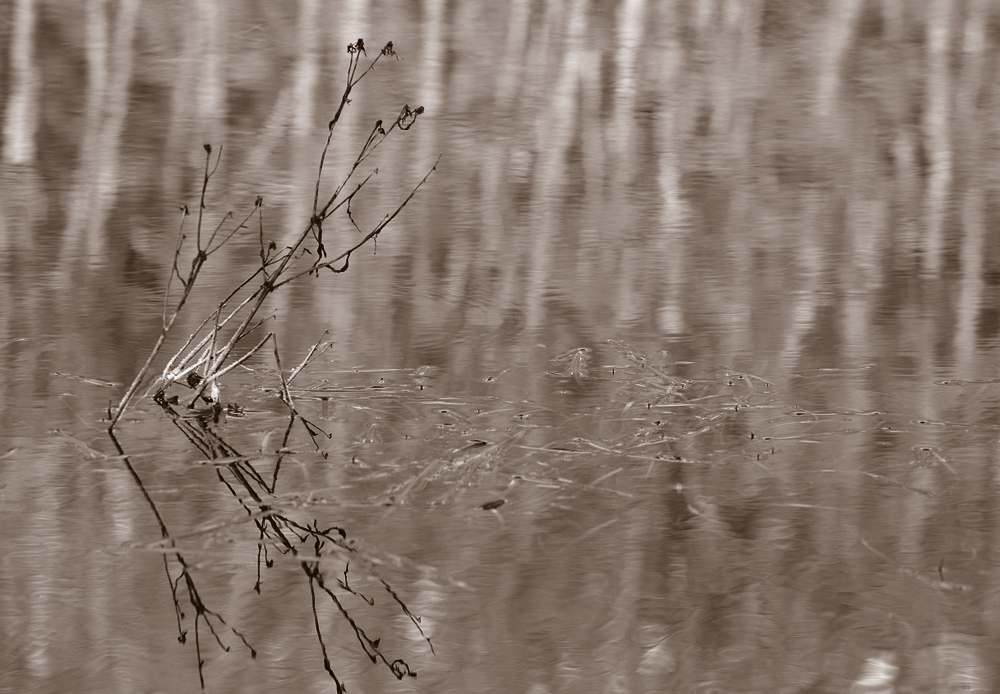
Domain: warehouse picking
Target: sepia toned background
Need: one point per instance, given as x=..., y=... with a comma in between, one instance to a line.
x=793, y=206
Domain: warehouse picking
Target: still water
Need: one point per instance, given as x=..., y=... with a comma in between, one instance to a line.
x=678, y=374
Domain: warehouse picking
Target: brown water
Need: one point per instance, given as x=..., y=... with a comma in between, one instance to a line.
x=680, y=374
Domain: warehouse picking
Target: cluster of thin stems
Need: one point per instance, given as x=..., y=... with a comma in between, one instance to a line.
x=208, y=353
x=216, y=347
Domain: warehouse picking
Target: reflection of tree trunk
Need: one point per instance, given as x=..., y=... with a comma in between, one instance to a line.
x=97, y=177
x=294, y=109
x=589, y=285
x=973, y=227
x=739, y=67
x=516, y=95
x=512, y=63
x=463, y=249
x=839, y=32
x=340, y=307
x=299, y=135
x=631, y=25
x=546, y=191
x=893, y=14
x=974, y=44
x=22, y=104
x=971, y=285
x=613, y=648
x=811, y=263
x=198, y=103
x=302, y=121
x=291, y=128
x=915, y=514
x=210, y=85
x=865, y=229
x=667, y=254
x=621, y=144
x=493, y=267
x=906, y=193
x=422, y=241
x=937, y=136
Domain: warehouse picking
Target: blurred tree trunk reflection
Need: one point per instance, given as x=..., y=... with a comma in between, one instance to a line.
x=669, y=243
x=937, y=132
x=109, y=75
x=622, y=141
x=198, y=92
x=423, y=249
x=839, y=31
x=351, y=17
x=21, y=118
x=970, y=140
x=555, y=133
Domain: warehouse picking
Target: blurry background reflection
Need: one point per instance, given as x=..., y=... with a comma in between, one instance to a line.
x=804, y=191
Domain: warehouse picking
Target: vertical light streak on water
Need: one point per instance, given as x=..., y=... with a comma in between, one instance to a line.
x=621, y=141
x=970, y=293
x=560, y=120
x=843, y=16
x=811, y=263
x=21, y=117
x=736, y=67
x=671, y=238
x=109, y=71
x=865, y=228
x=972, y=215
x=333, y=299
x=209, y=76
x=937, y=136
x=300, y=121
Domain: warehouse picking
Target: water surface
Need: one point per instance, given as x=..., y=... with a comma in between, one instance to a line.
x=679, y=373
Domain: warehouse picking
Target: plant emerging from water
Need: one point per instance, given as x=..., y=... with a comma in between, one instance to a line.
x=187, y=387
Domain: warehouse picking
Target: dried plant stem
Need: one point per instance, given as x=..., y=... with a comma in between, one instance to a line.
x=274, y=271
